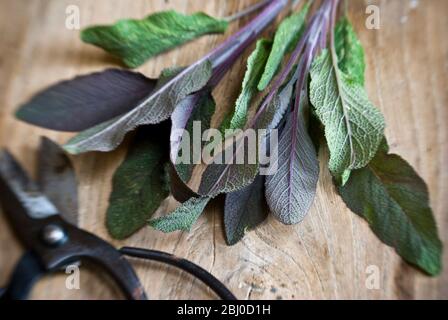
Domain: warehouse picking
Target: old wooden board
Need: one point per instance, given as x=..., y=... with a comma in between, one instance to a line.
x=328, y=255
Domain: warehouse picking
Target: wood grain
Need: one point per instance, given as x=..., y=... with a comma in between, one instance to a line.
x=326, y=256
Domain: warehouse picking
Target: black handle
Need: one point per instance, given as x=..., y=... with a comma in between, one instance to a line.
x=188, y=266
x=25, y=275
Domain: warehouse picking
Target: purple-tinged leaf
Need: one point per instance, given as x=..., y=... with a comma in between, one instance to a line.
x=198, y=108
x=226, y=173
x=275, y=110
x=290, y=190
x=180, y=119
x=86, y=101
x=154, y=109
x=244, y=210
x=231, y=177
x=179, y=189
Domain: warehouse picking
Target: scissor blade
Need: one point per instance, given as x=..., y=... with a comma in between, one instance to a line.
x=57, y=179
x=18, y=193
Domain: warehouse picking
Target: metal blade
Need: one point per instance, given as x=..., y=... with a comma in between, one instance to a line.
x=18, y=193
x=57, y=179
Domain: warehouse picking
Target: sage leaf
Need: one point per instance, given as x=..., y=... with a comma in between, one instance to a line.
x=197, y=108
x=155, y=108
x=255, y=66
x=286, y=38
x=179, y=189
x=349, y=51
x=276, y=108
x=183, y=218
x=226, y=174
x=394, y=200
x=244, y=210
x=291, y=188
x=57, y=180
x=86, y=101
x=354, y=127
x=224, y=177
x=136, y=41
x=138, y=184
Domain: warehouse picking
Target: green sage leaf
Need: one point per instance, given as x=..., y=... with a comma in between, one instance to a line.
x=255, y=67
x=394, y=200
x=354, y=127
x=135, y=41
x=286, y=38
x=349, y=51
x=183, y=218
x=138, y=184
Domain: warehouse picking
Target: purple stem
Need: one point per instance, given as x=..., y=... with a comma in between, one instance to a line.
x=224, y=56
x=247, y=11
x=313, y=28
x=222, y=59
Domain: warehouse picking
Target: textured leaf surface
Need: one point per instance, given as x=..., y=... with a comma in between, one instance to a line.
x=394, y=200
x=229, y=175
x=86, y=101
x=224, y=178
x=275, y=110
x=291, y=189
x=286, y=38
x=349, y=51
x=183, y=218
x=198, y=107
x=255, y=66
x=135, y=41
x=152, y=110
x=179, y=189
x=138, y=185
x=57, y=180
x=244, y=210
x=353, y=125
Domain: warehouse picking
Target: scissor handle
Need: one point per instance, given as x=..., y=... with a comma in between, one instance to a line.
x=27, y=272
x=78, y=245
x=82, y=245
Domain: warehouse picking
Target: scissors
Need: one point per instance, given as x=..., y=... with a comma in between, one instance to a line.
x=52, y=243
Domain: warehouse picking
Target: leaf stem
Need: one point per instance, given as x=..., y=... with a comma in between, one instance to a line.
x=247, y=11
x=314, y=28
x=225, y=55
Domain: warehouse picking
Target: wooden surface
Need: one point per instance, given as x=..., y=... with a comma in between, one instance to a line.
x=324, y=257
